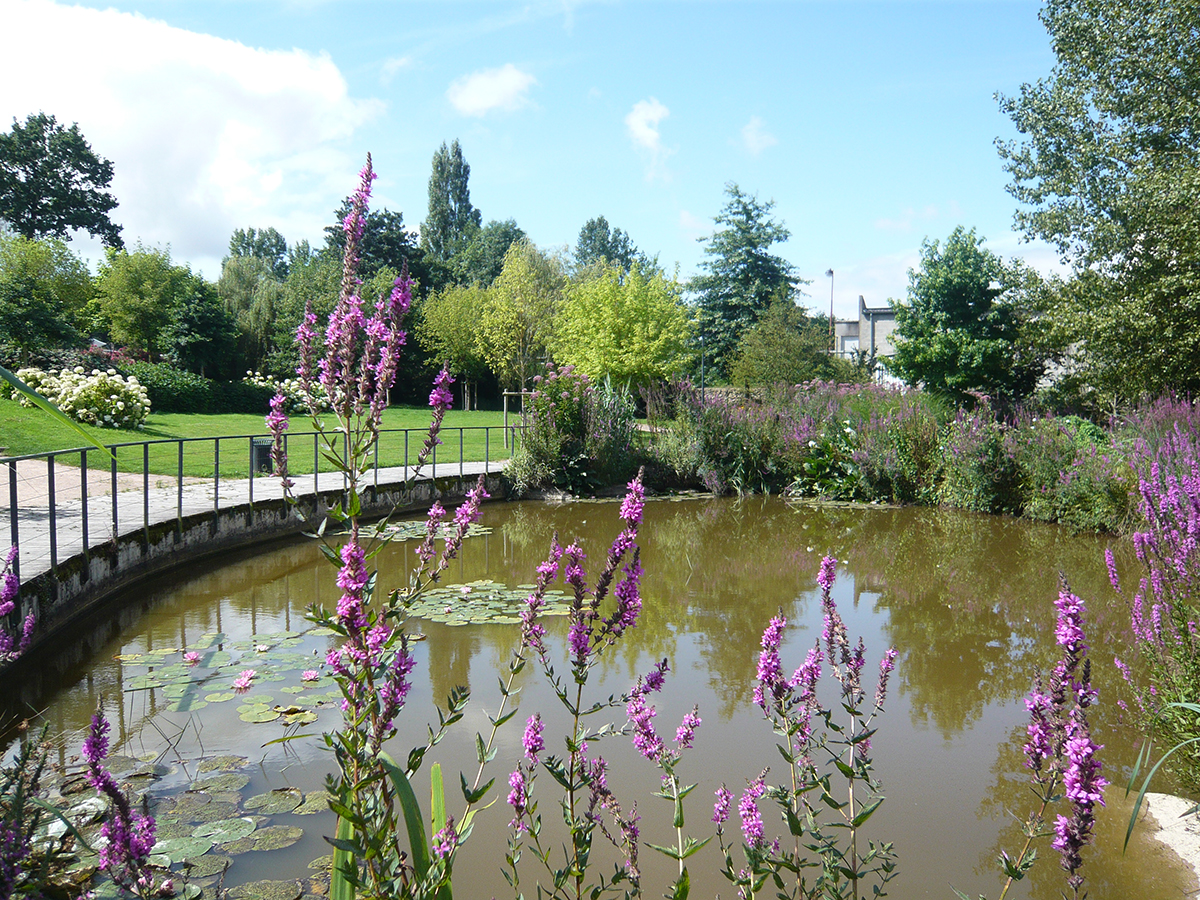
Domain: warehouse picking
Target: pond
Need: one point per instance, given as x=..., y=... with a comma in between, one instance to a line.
x=965, y=599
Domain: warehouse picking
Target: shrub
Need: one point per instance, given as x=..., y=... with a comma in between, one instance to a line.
x=980, y=471
x=173, y=390
x=293, y=391
x=900, y=451
x=105, y=399
x=1071, y=474
x=577, y=435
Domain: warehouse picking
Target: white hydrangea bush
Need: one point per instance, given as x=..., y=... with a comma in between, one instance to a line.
x=291, y=390
x=103, y=398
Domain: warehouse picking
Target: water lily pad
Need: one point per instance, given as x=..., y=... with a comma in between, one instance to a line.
x=481, y=602
x=223, y=831
x=131, y=658
x=321, y=631
x=314, y=802
x=238, y=847
x=292, y=689
x=220, y=696
x=187, y=704
x=222, y=763
x=258, y=715
x=322, y=863
x=207, y=866
x=268, y=890
x=164, y=829
x=272, y=803
x=184, y=848
x=228, y=781
x=218, y=809
x=305, y=717
x=276, y=837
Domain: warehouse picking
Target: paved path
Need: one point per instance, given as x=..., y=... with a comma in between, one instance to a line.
x=130, y=509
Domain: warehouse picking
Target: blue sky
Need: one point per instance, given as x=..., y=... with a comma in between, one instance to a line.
x=871, y=125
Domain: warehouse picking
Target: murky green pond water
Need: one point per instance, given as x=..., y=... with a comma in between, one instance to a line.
x=966, y=600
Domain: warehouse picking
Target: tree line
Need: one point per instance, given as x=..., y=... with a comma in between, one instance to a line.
x=1106, y=169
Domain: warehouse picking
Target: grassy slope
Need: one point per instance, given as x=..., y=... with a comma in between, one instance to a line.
x=24, y=431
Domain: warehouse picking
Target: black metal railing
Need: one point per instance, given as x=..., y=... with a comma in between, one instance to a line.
x=62, y=510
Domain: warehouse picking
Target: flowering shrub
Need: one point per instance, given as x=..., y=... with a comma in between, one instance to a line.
x=105, y=399
x=979, y=466
x=296, y=400
x=579, y=436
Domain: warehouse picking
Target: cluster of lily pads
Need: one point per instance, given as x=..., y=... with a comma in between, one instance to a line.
x=201, y=829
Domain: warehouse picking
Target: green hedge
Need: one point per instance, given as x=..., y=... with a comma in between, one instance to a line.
x=173, y=390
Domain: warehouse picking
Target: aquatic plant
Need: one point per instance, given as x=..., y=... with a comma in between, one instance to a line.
x=1162, y=607
x=12, y=645
x=128, y=836
x=1061, y=754
x=822, y=821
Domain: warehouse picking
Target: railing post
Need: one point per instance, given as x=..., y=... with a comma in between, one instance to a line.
x=250, y=450
x=406, y=454
x=216, y=482
x=83, y=495
x=146, y=492
x=316, y=469
x=179, y=495
x=376, y=494
x=487, y=448
x=461, y=432
x=53, y=516
x=116, y=525
x=12, y=515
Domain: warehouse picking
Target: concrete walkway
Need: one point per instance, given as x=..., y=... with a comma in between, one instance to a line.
x=131, y=509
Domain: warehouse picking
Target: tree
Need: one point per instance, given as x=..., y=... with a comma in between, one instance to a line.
x=44, y=291
x=251, y=295
x=449, y=332
x=786, y=346
x=266, y=244
x=598, y=244
x=743, y=276
x=202, y=335
x=139, y=294
x=634, y=328
x=1108, y=170
x=51, y=182
x=385, y=243
x=452, y=219
x=481, y=259
x=518, y=318
x=960, y=330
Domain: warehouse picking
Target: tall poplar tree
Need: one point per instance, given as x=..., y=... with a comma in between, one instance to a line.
x=452, y=219
x=743, y=275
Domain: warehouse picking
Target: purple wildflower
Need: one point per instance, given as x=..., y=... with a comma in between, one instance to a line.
x=752, y=823
x=277, y=424
x=634, y=503
x=518, y=798
x=685, y=735
x=532, y=740
x=886, y=665
x=721, y=808
x=445, y=842
x=129, y=836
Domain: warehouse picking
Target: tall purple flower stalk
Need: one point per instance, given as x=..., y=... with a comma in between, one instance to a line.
x=1060, y=752
x=12, y=645
x=129, y=836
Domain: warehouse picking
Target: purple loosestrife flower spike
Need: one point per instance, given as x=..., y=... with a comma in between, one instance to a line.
x=886, y=665
x=685, y=735
x=748, y=811
x=721, y=808
x=532, y=740
x=129, y=836
x=277, y=424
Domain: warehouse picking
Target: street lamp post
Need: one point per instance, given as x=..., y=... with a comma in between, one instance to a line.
x=832, y=340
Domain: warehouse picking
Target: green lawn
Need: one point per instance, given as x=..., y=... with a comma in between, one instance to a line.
x=25, y=431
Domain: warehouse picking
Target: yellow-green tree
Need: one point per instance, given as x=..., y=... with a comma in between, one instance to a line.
x=449, y=332
x=633, y=328
x=518, y=317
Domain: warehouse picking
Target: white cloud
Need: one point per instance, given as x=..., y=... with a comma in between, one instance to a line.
x=393, y=65
x=756, y=138
x=479, y=93
x=642, y=124
x=205, y=134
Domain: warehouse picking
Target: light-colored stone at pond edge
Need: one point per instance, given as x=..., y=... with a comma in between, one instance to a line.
x=1177, y=830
